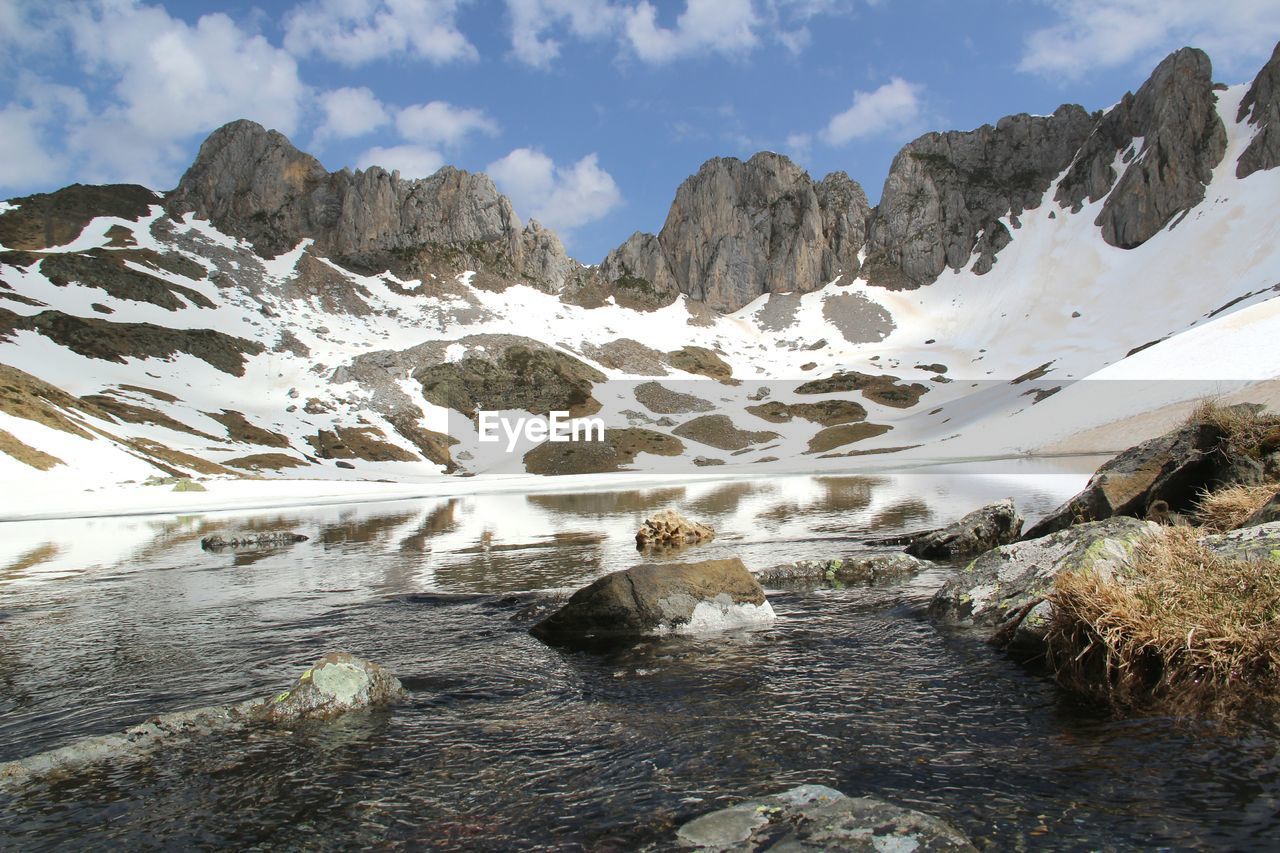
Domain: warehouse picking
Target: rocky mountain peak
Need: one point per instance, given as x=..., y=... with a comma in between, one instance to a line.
x=253, y=183
x=1174, y=116
x=1261, y=105
x=737, y=230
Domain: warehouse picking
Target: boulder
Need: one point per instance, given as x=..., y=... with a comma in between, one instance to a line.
x=981, y=530
x=862, y=568
x=667, y=528
x=1175, y=468
x=1003, y=588
x=335, y=684
x=1268, y=512
x=1258, y=542
x=653, y=599
x=815, y=817
x=267, y=539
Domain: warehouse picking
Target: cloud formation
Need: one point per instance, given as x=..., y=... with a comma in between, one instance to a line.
x=557, y=196
x=893, y=109
x=1094, y=34
x=350, y=113
x=411, y=161
x=358, y=32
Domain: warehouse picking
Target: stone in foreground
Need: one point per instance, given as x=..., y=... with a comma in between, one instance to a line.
x=815, y=817
x=669, y=529
x=335, y=684
x=269, y=539
x=653, y=599
x=978, y=532
x=862, y=568
x=1006, y=588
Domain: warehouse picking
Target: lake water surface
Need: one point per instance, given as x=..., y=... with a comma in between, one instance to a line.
x=506, y=743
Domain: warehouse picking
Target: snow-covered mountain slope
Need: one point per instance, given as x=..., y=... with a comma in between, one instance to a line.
x=152, y=344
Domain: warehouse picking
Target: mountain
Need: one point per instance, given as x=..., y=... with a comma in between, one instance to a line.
x=1033, y=285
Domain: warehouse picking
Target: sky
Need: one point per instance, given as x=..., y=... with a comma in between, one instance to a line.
x=588, y=114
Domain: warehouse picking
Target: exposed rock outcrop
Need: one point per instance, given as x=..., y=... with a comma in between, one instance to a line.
x=1261, y=105
x=946, y=192
x=739, y=230
x=253, y=183
x=1005, y=588
x=815, y=817
x=668, y=529
x=1175, y=115
x=981, y=530
x=658, y=599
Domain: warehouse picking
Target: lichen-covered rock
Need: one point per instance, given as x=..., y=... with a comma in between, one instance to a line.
x=993, y=525
x=1258, y=542
x=659, y=599
x=860, y=568
x=815, y=817
x=667, y=528
x=266, y=539
x=1001, y=587
x=739, y=230
x=1261, y=105
x=1175, y=116
x=337, y=683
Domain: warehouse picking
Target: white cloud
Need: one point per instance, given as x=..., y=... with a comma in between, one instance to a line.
x=350, y=112
x=530, y=19
x=893, y=109
x=412, y=161
x=1092, y=34
x=799, y=145
x=557, y=196
x=25, y=160
x=441, y=123
x=357, y=32
x=718, y=26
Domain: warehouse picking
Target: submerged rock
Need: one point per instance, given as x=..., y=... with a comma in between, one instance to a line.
x=337, y=683
x=862, y=568
x=1005, y=588
x=251, y=540
x=658, y=599
x=667, y=528
x=981, y=530
x=815, y=817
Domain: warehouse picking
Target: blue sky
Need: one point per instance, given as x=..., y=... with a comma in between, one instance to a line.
x=588, y=113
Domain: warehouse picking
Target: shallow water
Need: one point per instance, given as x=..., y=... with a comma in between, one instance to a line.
x=508, y=744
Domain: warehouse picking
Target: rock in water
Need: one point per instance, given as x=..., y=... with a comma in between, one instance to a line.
x=981, y=530
x=1006, y=588
x=862, y=568
x=667, y=528
x=335, y=684
x=251, y=540
x=658, y=599
x=815, y=817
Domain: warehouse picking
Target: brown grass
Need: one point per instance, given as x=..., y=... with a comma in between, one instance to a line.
x=1246, y=431
x=1230, y=506
x=1184, y=631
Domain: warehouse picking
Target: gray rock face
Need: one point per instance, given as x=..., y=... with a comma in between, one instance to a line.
x=253, y=183
x=1257, y=542
x=738, y=230
x=860, y=568
x=981, y=530
x=1002, y=587
x=815, y=817
x=946, y=191
x=657, y=599
x=1268, y=512
x=1183, y=139
x=334, y=685
x=1261, y=105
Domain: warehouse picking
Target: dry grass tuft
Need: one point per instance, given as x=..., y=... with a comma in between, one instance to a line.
x=1184, y=631
x=1230, y=506
x=1245, y=430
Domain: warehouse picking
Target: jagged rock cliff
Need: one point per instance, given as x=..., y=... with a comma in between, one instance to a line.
x=253, y=183
x=1174, y=116
x=1262, y=106
x=737, y=230
x=946, y=191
